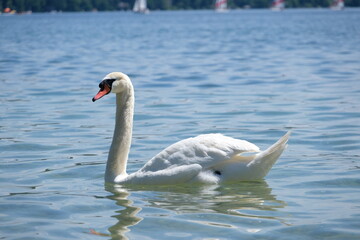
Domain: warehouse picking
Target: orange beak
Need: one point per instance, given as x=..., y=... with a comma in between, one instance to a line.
x=102, y=92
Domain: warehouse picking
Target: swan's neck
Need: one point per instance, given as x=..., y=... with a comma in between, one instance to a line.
x=120, y=146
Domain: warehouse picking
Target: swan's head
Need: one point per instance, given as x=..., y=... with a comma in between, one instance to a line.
x=115, y=82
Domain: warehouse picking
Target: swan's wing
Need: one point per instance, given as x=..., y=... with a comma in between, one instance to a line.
x=171, y=175
x=205, y=150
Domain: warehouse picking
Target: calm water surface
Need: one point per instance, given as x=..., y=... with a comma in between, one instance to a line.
x=248, y=74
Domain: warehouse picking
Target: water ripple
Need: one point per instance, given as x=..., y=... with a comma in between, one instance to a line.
x=247, y=74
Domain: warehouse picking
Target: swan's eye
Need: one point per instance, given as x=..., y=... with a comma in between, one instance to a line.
x=108, y=82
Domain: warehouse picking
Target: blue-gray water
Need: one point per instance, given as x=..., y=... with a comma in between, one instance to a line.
x=248, y=74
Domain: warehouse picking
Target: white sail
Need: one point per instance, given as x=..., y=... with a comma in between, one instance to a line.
x=221, y=5
x=338, y=5
x=140, y=6
x=278, y=5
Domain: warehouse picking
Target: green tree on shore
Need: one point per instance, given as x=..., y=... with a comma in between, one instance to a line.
x=111, y=5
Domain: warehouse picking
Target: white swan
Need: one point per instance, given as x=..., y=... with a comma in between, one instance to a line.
x=208, y=158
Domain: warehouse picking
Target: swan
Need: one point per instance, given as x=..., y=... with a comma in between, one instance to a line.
x=207, y=158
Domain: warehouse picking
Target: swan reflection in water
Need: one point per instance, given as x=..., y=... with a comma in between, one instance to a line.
x=246, y=200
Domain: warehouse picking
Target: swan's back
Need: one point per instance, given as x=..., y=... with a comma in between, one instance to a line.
x=206, y=150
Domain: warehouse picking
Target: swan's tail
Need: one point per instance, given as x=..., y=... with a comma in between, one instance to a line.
x=266, y=159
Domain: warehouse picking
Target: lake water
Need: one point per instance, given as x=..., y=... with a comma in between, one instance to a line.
x=248, y=74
